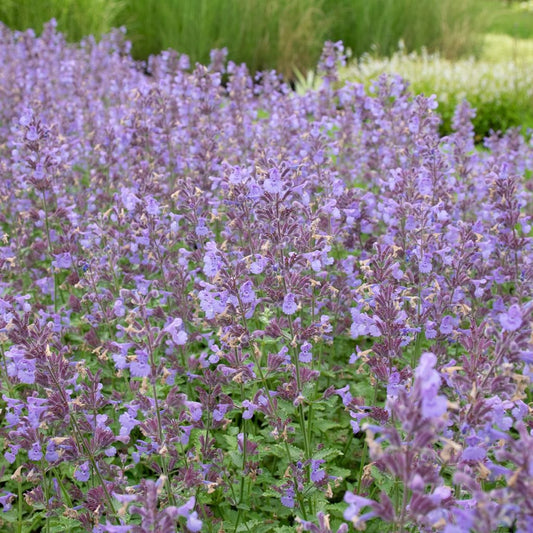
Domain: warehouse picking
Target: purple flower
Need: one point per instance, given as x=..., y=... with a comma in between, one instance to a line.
x=473, y=453
x=11, y=454
x=127, y=421
x=425, y=264
x=259, y=264
x=129, y=199
x=212, y=303
x=83, y=472
x=111, y=451
x=5, y=501
x=511, y=320
x=247, y=293
x=305, y=355
x=26, y=117
x=446, y=325
x=249, y=409
x=430, y=330
x=288, y=498
x=139, y=367
x=355, y=504
x=212, y=261
x=396, y=271
x=32, y=134
x=118, y=308
x=195, y=408
x=273, y=183
x=345, y=394
x=289, y=304
x=152, y=206
x=220, y=410
x=193, y=522
x=362, y=324
x=317, y=473
x=187, y=507
x=201, y=229
x=51, y=454
x=35, y=452
x=428, y=380
x=179, y=337
x=434, y=406
x=187, y=510
x=62, y=260
x=20, y=366
x=120, y=359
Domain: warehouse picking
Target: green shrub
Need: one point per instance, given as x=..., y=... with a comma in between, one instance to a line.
x=501, y=92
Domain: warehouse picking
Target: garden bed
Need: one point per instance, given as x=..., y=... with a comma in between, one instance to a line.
x=225, y=306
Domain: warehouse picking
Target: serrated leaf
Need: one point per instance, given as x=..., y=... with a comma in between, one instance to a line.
x=338, y=471
x=280, y=450
x=269, y=493
x=326, y=426
x=65, y=524
x=236, y=459
x=327, y=453
x=249, y=525
x=10, y=516
x=284, y=529
x=336, y=509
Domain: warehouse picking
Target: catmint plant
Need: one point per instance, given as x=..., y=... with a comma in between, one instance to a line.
x=226, y=306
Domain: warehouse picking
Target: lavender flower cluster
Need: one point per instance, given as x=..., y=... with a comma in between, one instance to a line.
x=225, y=306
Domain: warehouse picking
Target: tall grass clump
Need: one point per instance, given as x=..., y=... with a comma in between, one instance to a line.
x=510, y=18
x=281, y=34
x=75, y=18
x=449, y=26
x=286, y=35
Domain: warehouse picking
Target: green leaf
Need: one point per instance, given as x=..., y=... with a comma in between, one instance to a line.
x=284, y=529
x=10, y=516
x=327, y=453
x=62, y=524
x=337, y=471
x=250, y=525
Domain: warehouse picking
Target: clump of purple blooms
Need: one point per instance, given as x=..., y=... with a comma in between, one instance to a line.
x=228, y=307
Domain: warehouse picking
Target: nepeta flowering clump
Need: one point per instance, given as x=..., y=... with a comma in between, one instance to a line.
x=225, y=306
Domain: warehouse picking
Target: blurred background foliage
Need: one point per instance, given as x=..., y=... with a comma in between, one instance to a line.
x=280, y=34
x=287, y=35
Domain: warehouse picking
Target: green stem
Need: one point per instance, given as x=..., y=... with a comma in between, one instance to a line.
x=244, y=446
x=19, y=510
x=82, y=443
x=63, y=489
x=47, y=226
x=164, y=465
x=307, y=449
x=309, y=425
x=302, y=507
x=365, y=446
x=4, y=371
x=416, y=352
x=46, y=487
x=362, y=466
x=348, y=442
